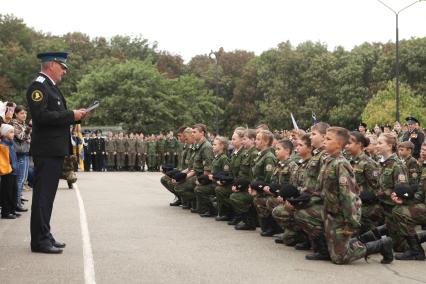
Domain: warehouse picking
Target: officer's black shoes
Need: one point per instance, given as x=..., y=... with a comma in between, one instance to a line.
x=382, y=246
x=186, y=205
x=322, y=250
x=368, y=237
x=303, y=246
x=223, y=218
x=8, y=216
x=48, y=250
x=70, y=186
x=177, y=202
x=58, y=244
x=17, y=215
x=415, y=251
x=19, y=208
x=207, y=214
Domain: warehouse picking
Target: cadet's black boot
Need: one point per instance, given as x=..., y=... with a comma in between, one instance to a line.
x=176, y=202
x=422, y=237
x=235, y=220
x=246, y=223
x=226, y=217
x=270, y=228
x=194, y=206
x=322, y=250
x=368, y=237
x=380, y=231
x=186, y=205
x=70, y=186
x=305, y=244
x=415, y=251
x=382, y=246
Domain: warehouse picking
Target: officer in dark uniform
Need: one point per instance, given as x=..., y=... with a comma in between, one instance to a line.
x=51, y=142
x=99, y=149
x=415, y=135
x=86, y=150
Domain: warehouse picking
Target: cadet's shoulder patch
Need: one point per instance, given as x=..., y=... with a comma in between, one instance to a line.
x=343, y=180
x=269, y=167
x=402, y=178
x=40, y=79
x=37, y=95
x=375, y=173
x=226, y=168
x=414, y=175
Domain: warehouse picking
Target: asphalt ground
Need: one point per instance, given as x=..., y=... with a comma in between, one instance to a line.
x=136, y=237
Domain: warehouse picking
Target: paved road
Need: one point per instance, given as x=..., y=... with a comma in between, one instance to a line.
x=137, y=238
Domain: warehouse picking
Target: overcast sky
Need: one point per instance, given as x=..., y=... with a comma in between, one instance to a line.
x=191, y=27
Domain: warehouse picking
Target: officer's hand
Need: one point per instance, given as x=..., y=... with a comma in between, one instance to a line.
x=79, y=114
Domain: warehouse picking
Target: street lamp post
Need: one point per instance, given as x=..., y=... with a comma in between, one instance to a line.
x=215, y=56
x=397, y=50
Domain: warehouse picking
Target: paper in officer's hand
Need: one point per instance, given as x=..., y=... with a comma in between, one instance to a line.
x=94, y=105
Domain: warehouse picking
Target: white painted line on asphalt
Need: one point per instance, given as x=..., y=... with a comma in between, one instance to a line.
x=89, y=265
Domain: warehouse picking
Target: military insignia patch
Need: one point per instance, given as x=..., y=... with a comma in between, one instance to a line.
x=269, y=168
x=226, y=168
x=414, y=175
x=343, y=181
x=401, y=178
x=37, y=96
x=375, y=173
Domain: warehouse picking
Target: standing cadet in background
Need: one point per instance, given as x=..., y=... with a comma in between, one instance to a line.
x=99, y=151
x=50, y=143
x=131, y=151
x=92, y=149
x=110, y=152
x=151, y=149
x=161, y=151
x=86, y=151
x=171, y=149
x=120, y=149
x=140, y=152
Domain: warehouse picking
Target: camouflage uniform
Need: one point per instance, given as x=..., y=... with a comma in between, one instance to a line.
x=285, y=218
x=151, y=149
x=203, y=193
x=223, y=193
x=121, y=149
x=413, y=169
x=167, y=181
x=181, y=148
x=341, y=210
x=140, y=150
x=247, y=163
x=412, y=212
x=131, y=152
x=68, y=173
x=171, y=151
x=309, y=218
x=110, y=152
x=366, y=172
x=203, y=162
x=393, y=172
x=161, y=152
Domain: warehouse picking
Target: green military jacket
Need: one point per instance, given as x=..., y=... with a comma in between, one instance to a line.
x=161, y=146
x=392, y=173
x=140, y=146
x=110, y=145
x=247, y=163
x=339, y=191
x=203, y=157
x=220, y=163
x=298, y=176
x=412, y=169
x=264, y=165
x=366, y=172
x=313, y=169
x=189, y=159
x=131, y=145
x=171, y=146
x=151, y=147
x=295, y=157
x=120, y=145
x=236, y=158
x=420, y=195
x=283, y=171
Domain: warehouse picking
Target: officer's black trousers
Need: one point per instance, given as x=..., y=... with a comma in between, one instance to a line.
x=47, y=171
x=87, y=163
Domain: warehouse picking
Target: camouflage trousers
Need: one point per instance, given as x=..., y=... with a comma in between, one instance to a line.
x=161, y=158
x=120, y=159
x=167, y=183
x=372, y=216
x=408, y=217
x=309, y=219
x=241, y=202
x=110, y=159
x=141, y=160
x=399, y=243
x=186, y=189
x=224, y=206
x=261, y=205
x=285, y=219
x=203, y=193
x=342, y=248
x=151, y=161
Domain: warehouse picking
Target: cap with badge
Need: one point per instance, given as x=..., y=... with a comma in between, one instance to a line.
x=411, y=120
x=404, y=191
x=59, y=57
x=242, y=184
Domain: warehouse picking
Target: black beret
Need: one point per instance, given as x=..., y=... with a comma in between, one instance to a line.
x=172, y=173
x=404, y=191
x=274, y=188
x=226, y=179
x=257, y=185
x=287, y=191
x=203, y=179
x=368, y=197
x=300, y=200
x=166, y=168
x=179, y=177
x=242, y=184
